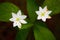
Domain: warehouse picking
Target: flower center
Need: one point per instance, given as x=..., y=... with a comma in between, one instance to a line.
x=42, y=14
x=17, y=19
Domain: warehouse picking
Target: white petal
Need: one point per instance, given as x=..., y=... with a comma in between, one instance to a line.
x=23, y=16
x=37, y=12
x=44, y=19
x=14, y=15
x=11, y=19
x=19, y=13
x=14, y=24
x=23, y=21
x=19, y=25
x=48, y=12
x=49, y=17
x=40, y=9
x=45, y=8
x=39, y=17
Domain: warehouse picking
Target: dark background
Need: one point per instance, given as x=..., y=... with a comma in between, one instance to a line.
x=7, y=32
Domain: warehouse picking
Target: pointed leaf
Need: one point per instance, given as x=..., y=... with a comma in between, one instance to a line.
x=5, y=11
x=31, y=8
x=41, y=32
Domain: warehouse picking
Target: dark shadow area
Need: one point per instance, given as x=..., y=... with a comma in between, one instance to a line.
x=54, y=25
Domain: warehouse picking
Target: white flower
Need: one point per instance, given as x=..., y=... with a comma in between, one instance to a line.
x=43, y=13
x=18, y=19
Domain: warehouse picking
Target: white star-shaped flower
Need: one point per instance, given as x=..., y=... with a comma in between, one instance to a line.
x=43, y=13
x=18, y=19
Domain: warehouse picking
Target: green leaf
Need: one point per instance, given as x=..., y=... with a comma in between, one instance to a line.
x=22, y=34
x=53, y=5
x=31, y=8
x=41, y=32
x=6, y=10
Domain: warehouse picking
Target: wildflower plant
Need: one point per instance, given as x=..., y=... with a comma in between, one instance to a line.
x=35, y=20
x=18, y=19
